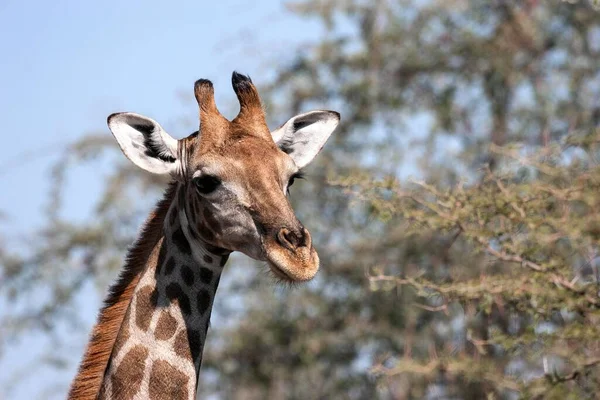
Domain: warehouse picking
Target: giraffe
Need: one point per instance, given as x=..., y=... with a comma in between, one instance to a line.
x=228, y=192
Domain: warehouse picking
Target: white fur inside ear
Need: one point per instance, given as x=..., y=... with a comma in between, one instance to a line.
x=304, y=135
x=145, y=142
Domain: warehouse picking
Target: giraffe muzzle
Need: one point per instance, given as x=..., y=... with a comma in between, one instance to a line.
x=291, y=256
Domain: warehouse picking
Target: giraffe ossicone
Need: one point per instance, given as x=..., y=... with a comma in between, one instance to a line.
x=228, y=193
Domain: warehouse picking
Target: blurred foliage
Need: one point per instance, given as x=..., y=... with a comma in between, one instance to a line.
x=512, y=277
x=476, y=279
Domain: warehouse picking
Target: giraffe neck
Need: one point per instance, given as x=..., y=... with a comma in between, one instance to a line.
x=158, y=350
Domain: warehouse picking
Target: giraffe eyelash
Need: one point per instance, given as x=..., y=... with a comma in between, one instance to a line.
x=297, y=175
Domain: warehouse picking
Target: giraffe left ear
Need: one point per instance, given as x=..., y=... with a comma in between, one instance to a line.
x=304, y=135
x=145, y=142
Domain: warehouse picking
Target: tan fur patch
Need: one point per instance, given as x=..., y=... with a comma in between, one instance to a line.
x=123, y=336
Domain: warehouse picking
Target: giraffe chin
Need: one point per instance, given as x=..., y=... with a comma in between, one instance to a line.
x=298, y=266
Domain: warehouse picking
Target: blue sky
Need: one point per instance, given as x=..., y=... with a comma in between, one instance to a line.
x=67, y=65
x=72, y=63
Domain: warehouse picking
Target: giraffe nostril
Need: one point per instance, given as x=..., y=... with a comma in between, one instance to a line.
x=292, y=240
x=303, y=236
x=284, y=237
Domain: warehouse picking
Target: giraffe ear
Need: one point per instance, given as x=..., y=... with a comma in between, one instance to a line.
x=145, y=142
x=304, y=135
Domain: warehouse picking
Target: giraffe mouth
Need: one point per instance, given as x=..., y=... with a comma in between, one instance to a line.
x=279, y=273
x=299, y=266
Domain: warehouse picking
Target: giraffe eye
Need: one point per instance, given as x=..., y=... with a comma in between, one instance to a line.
x=207, y=183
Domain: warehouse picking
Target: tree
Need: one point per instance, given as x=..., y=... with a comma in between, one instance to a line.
x=479, y=72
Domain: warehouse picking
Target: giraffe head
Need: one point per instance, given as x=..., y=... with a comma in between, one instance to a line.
x=235, y=175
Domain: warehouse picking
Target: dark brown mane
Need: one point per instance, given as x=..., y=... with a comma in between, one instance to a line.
x=86, y=384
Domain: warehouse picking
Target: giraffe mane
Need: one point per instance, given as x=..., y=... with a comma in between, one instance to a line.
x=86, y=384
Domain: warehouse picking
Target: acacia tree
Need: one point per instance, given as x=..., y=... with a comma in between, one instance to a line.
x=476, y=283
x=477, y=73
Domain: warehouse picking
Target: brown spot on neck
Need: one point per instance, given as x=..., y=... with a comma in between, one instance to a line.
x=175, y=293
x=187, y=275
x=167, y=382
x=145, y=306
x=127, y=380
x=181, y=241
x=165, y=328
x=188, y=345
x=206, y=276
x=181, y=346
x=204, y=301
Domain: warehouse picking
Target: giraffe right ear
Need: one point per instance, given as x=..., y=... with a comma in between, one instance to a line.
x=145, y=142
